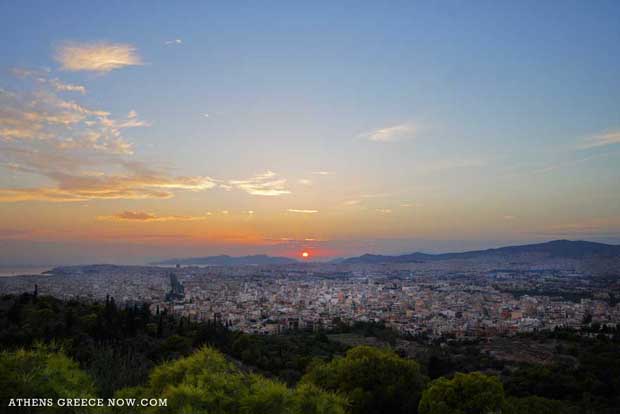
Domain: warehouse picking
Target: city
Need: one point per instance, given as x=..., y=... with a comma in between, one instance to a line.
x=414, y=299
x=319, y=207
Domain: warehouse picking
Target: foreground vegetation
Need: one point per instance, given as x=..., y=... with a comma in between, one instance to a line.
x=66, y=349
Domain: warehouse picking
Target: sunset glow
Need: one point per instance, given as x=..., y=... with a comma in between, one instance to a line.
x=348, y=135
x=305, y=255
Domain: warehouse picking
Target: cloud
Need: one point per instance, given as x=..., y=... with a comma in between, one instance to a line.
x=173, y=42
x=305, y=181
x=565, y=164
x=322, y=172
x=294, y=210
x=60, y=86
x=293, y=240
x=81, y=154
x=62, y=141
x=131, y=121
x=41, y=76
x=608, y=138
x=97, y=57
x=265, y=184
x=376, y=195
x=591, y=227
x=509, y=217
x=384, y=211
x=42, y=115
x=392, y=134
x=83, y=186
x=140, y=216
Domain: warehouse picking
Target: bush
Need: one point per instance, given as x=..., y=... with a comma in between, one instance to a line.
x=42, y=373
x=473, y=393
x=206, y=382
x=374, y=380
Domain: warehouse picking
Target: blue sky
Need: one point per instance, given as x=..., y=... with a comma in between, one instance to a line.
x=434, y=125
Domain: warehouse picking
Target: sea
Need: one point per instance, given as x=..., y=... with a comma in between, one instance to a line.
x=20, y=271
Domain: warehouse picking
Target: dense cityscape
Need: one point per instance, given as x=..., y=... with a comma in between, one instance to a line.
x=413, y=299
x=525, y=329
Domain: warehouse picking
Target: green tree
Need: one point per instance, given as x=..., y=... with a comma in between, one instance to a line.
x=473, y=393
x=42, y=373
x=205, y=382
x=373, y=380
x=310, y=399
x=534, y=405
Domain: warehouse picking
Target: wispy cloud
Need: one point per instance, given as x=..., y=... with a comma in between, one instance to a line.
x=565, y=164
x=600, y=140
x=384, y=211
x=305, y=181
x=62, y=141
x=591, y=227
x=322, y=172
x=376, y=195
x=42, y=76
x=265, y=184
x=140, y=216
x=294, y=241
x=77, y=184
x=44, y=116
x=66, y=87
x=294, y=210
x=392, y=134
x=97, y=57
x=173, y=42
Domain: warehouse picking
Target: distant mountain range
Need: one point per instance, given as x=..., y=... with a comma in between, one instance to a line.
x=225, y=260
x=553, y=249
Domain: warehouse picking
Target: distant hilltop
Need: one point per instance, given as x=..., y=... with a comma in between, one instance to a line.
x=561, y=249
x=225, y=260
x=583, y=251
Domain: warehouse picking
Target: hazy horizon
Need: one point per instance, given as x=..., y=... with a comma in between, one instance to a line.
x=130, y=133
x=452, y=246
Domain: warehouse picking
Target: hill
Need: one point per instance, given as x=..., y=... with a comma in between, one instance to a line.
x=553, y=249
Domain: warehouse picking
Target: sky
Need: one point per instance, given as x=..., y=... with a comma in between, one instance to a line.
x=136, y=131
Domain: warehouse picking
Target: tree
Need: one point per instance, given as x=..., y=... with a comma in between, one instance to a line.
x=42, y=373
x=206, y=382
x=534, y=404
x=373, y=380
x=473, y=393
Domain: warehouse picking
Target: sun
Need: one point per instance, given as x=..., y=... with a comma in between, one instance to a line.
x=305, y=255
